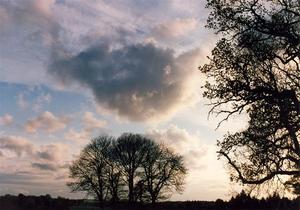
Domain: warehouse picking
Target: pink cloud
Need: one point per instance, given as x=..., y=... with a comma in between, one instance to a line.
x=6, y=120
x=46, y=121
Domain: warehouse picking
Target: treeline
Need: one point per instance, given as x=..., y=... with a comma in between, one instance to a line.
x=239, y=202
x=130, y=168
x=245, y=201
x=30, y=202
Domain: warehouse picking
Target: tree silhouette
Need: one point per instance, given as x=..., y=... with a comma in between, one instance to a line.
x=255, y=67
x=105, y=166
x=92, y=171
x=163, y=171
x=115, y=181
x=129, y=151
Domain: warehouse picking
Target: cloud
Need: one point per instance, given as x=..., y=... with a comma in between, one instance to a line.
x=46, y=121
x=51, y=152
x=49, y=166
x=45, y=166
x=184, y=143
x=174, y=136
x=205, y=171
x=29, y=30
x=41, y=101
x=23, y=147
x=17, y=144
x=31, y=182
x=80, y=136
x=18, y=178
x=30, y=166
x=26, y=99
x=3, y=15
x=138, y=82
x=174, y=28
x=6, y=120
x=36, y=182
x=26, y=155
x=21, y=101
x=91, y=123
x=29, y=11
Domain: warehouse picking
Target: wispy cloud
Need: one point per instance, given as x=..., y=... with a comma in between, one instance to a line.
x=174, y=28
x=6, y=120
x=44, y=98
x=186, y=144
x=21, y=101
x=89, y=124
x=25, y=25
x=48, y=166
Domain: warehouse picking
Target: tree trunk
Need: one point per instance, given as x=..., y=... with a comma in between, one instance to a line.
x=130, y=186
x=153, y=199
x=100, y=183
x=100, y=200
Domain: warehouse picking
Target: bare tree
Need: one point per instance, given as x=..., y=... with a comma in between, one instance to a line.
x=115, y=181
x=164, y=172
x=129, y=152
x=92, y=170
x=255, y=68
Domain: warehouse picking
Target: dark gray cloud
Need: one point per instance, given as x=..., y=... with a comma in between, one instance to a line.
x=45, y=166
x=49, y=166
x=17, y=178
x=139, y=82
x=47, y=155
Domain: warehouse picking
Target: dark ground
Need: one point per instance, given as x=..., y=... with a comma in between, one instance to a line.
x=240, y=202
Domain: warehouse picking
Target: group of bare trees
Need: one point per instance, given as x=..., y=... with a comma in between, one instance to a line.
x=131, y=167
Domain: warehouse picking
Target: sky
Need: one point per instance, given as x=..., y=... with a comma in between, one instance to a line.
x=71, y=70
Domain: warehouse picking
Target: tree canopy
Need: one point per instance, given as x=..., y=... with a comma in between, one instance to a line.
x=163, y=171
x=129, y=152
x=254, y=68
x=91, y=172
x=107, y=168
